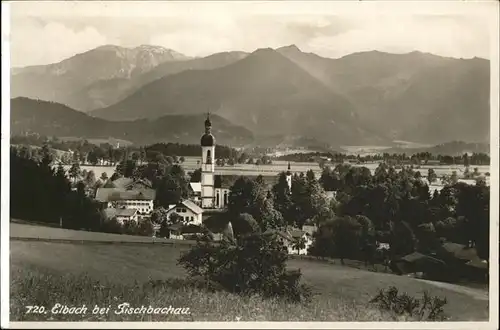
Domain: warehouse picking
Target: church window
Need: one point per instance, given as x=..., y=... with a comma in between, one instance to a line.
x=209, y=157
x=217, y=202
x=225, y=198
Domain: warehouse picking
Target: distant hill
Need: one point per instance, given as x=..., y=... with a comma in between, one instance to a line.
x=53, y=119
x=454, y=148
x=367, y=98
x=264, y=92
x=73, y=81
x=416, y=96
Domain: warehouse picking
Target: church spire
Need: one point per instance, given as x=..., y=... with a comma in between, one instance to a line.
x=208, y=123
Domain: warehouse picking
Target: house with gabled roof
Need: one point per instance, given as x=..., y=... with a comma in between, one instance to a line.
x=129, y=184
x=141, y=200
x=289, y=236
x=189, y=212
x=122, y=215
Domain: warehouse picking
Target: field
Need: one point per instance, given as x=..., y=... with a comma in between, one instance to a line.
x=190, y=164
x=45, y=273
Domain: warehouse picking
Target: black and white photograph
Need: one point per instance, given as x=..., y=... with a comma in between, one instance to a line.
x=207, y=164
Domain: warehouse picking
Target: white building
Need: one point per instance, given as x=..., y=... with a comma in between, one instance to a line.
x=122, y=215
x=141, y=200
x=205, y=193
x=189, y=212
x=290, y=238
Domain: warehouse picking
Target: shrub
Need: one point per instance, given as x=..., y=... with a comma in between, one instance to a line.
x=130, y=228
x=255, y=265
x=425, y=308
x=112, y=226
x=145, y=228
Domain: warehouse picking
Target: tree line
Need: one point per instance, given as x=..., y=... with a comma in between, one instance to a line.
x=385, y=207
x=41, y=193
x=419, y=158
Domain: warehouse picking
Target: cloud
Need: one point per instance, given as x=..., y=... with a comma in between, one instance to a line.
x=37, y=42
x=48, y=34
x=445, y=36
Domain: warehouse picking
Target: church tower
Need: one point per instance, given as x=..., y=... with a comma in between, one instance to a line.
x=289, y=178
x=207, y=166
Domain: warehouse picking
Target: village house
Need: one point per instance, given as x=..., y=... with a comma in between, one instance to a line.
x=189, y=212
x=141, y=200
x=122, y=215
x=290, y=237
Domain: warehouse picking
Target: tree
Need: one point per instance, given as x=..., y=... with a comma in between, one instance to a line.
x=172, y=188
x=182, y=159
x=195, y=175
x=90, y=179
x=453, y=178
x=283, y=199
x=256, y=264
x=308, y=198
x=74, y=172
x=299, y=244
x=104, y=177
x=159, y=215
x=93, y=157
x=244, y=224
x=402, y=239
x=159, y=218
x=367, y=238
x=323, y=243
x=250, y=196
x=175, y=218
x=427, y=239
x=126, y=168
x=47, y=156
x=145, y=228
x=346, y=237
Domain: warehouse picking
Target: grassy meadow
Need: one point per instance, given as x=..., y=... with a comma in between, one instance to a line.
x=191, y=164
x=46, y=273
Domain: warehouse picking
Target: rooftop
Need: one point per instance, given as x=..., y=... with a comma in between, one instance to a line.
x=112, y=212
x=117, y=194
x=190, y=205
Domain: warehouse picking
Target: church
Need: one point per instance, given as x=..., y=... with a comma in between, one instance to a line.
x=205, y=193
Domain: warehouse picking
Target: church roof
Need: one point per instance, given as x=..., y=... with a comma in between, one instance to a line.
x=195, y=186
x=207, y=140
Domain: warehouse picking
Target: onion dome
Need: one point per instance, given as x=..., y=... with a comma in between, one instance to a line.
x=207, y=140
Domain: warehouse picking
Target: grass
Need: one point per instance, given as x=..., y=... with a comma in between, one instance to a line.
x=45, y=289
x=75, y=274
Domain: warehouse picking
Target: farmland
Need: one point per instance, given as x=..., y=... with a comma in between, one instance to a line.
x=191, y=164
x=103, y=271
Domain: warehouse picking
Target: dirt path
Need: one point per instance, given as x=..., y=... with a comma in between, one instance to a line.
x=478, y=294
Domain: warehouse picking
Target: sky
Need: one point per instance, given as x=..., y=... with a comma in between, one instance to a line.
x=43, y=33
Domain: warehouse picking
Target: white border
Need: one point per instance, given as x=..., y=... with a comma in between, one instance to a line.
x=487, y=9
x=5, y=170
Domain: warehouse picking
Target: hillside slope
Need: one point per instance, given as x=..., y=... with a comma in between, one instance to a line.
x=416, y=96
x=63, y=82
x=264, y=92
x=53, y=119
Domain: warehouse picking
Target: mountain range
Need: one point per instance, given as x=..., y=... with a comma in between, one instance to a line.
x=55, y=119
x=363, y=98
